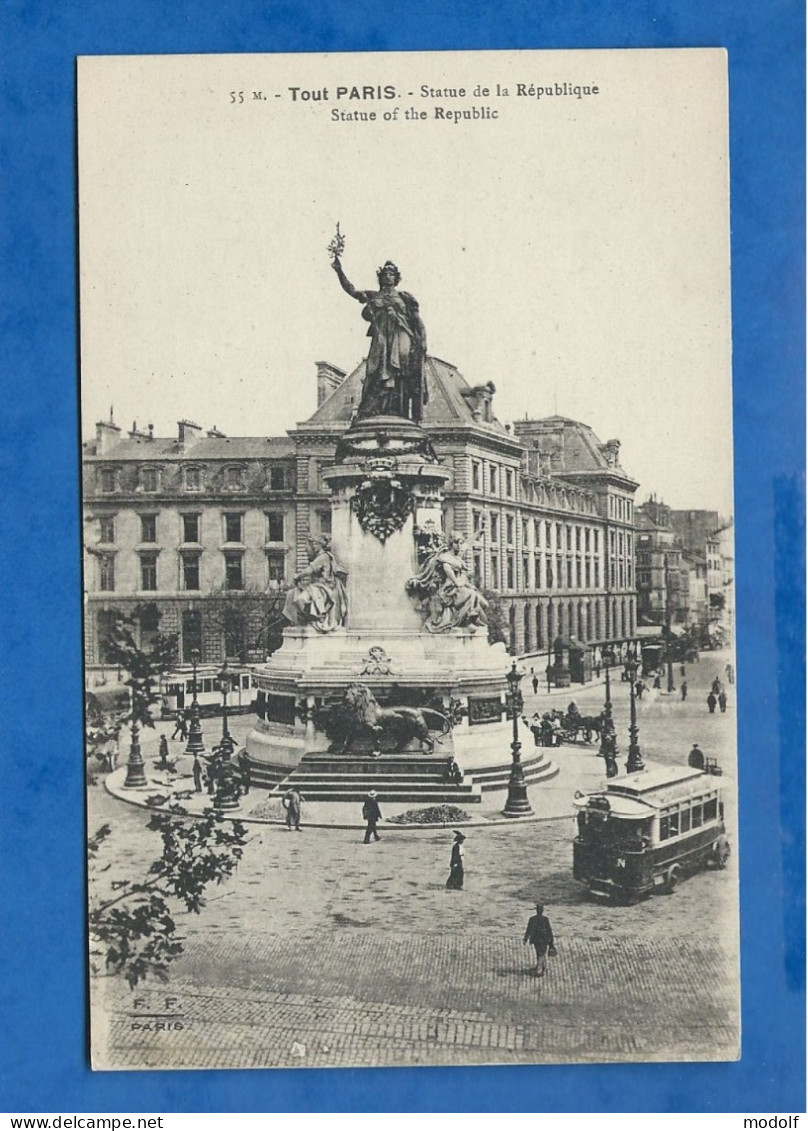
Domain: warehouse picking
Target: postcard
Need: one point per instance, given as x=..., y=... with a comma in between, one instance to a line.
x=408, y=559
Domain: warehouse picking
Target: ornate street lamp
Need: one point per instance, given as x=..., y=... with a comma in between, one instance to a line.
x=608, y=738
x=135, y=770
x=517, y=804
x=634, y=761
x=225, y=686
x=196, y=741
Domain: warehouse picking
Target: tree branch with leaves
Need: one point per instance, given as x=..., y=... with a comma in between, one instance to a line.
x=133, y=922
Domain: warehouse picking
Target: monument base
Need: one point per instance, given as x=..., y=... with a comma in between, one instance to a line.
x=458, y=679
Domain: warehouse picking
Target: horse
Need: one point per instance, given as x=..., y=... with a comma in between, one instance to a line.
x=402, y=724
x=573, y=724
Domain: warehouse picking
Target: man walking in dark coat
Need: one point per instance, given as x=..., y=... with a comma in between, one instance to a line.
x=711, y=702
x=372, y=814
x=181, y=728
x=197, y=772
x=535, y=682
x=683, y=689
x=539, y=934
x=244, y=766
x=722, y=700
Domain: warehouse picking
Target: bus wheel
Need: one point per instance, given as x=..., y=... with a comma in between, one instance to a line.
x=721, y=853
x=672, y=878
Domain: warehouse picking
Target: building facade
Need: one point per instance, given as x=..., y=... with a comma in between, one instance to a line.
x=175, y=528
x=685, y=569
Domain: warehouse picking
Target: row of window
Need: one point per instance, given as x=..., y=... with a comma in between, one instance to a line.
x=189, y=571
x=621, y=508
x=492, y=479
x=555, y=535
x=193, y=478
x=232, y=527
x=542, y=624
x=538, y=571
x=687, y=817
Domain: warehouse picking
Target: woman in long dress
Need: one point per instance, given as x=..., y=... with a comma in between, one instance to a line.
x=450, y=598
x=456, y=870
x=394, y=382
x=318, y=596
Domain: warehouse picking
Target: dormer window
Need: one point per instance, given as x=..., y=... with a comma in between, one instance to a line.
x=192, y=478
x=234, y=478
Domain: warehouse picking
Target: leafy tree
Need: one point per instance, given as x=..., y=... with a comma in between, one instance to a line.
x=102, y=733
x=497, y=620
x=133, y=928
x=144, y=666
x=251, y=620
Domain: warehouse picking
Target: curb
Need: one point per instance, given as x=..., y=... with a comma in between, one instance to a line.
x=230, y=815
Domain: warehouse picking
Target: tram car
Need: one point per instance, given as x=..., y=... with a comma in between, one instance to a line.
x=647, y=830
x=178, y=691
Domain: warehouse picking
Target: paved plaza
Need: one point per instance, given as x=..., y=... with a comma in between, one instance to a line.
x=324, y=951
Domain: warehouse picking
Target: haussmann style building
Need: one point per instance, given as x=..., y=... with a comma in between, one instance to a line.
x=180, y=530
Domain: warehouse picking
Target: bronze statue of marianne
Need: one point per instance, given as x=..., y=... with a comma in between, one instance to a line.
x=395, y=382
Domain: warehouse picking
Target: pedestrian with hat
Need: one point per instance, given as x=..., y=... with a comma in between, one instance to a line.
x=456, y=869
x=695, y=758
x=372, y=814
x=293, y=803
x=539, y=934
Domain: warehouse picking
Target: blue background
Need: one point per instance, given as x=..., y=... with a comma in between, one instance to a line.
x=43, y=1056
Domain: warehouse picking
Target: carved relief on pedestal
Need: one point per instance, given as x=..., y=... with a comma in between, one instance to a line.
x=382, y=503
x=377, y=662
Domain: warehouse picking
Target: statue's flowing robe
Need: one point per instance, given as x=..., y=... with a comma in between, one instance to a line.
x=395, y=382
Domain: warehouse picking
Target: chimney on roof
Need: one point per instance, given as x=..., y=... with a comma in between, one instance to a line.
x=329, y=378
x=136, y=434
x=215, y=434
x=107, y=434
x=479, y=400
x=188, y=432
x=151, y=431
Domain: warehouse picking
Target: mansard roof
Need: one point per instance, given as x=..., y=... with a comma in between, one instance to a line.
x=143, y=448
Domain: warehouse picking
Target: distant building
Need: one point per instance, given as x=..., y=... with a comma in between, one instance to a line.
x=696, y=545
x=173, y=525
x=661, y=587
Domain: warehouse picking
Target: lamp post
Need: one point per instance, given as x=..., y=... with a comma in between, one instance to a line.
x=196, y=741
x=225, y=687
x=227, y=781
x=608, y=738
x=634, y=762
x=135, y=770
x=517, y=804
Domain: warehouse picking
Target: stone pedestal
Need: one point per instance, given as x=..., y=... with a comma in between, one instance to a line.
x=387, y=489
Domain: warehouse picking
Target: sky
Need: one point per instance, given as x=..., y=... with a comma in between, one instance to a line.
x=573, y=249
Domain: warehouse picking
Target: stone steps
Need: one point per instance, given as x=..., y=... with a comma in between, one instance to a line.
x=535, y=770
x=395, y=778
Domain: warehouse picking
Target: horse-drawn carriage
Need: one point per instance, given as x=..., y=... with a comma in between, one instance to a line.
x=557, y=727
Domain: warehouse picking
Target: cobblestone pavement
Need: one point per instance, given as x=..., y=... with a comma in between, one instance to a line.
x=324, y=951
